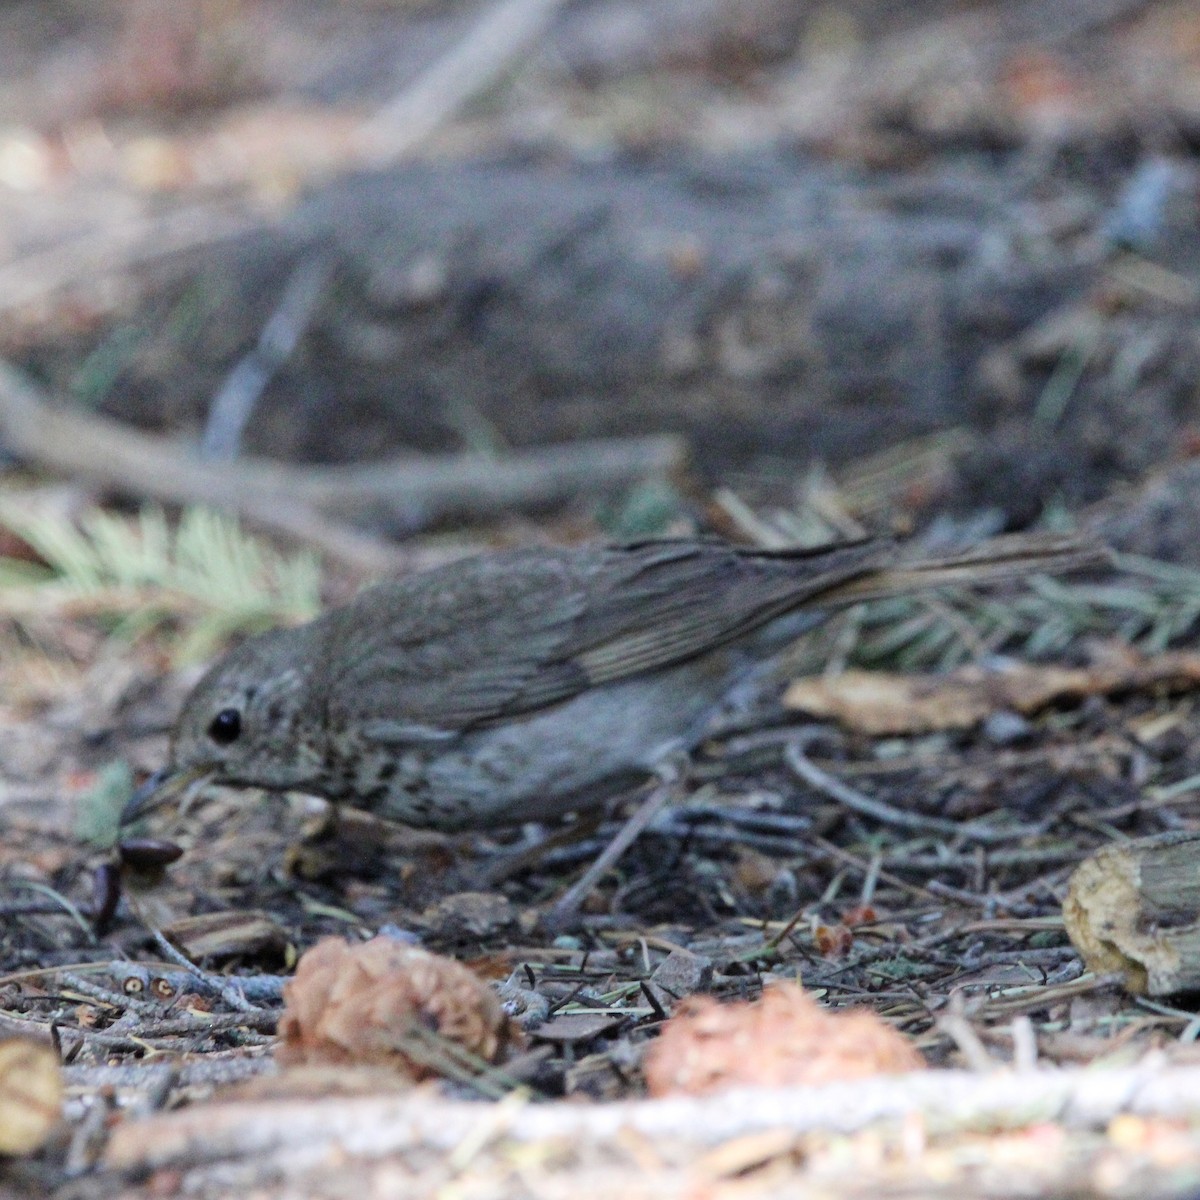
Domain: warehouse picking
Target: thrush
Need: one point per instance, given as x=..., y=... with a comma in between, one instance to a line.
x=527, y=684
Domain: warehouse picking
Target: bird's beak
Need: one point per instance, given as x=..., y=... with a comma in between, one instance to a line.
x=161, y=788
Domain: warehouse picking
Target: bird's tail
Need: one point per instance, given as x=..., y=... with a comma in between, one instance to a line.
x=998, y=560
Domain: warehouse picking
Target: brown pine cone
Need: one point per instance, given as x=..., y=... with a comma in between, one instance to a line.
x=784, y=1039
x=384, y=1003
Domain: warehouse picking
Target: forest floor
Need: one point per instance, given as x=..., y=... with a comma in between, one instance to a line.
x=902, y=847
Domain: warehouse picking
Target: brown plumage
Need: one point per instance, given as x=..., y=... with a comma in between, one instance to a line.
x=528, y=683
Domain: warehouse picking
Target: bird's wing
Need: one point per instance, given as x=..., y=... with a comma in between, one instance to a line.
x=502, y=635
x=653, y=604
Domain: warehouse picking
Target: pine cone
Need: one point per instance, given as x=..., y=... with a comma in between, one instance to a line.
x=784, y=1039
x=386, y=1003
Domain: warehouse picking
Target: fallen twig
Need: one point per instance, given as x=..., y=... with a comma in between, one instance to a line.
x=243, y=387
x=295, y=1134
x=312, y=502
x=213, y=1069
x=495, y=42
x=868, y=806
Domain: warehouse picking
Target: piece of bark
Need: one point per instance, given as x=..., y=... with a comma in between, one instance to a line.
x=228, y=934
x=1134, y=908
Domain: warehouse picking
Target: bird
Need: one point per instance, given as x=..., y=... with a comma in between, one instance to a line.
x=532, y=683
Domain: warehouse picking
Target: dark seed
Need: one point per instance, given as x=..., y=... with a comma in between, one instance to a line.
x=143, y=854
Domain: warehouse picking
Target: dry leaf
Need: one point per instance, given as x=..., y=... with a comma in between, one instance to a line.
x=784, y=1039
x=31, y=1095
x=391, y=1004
x=876, y=702
x=744, y=1153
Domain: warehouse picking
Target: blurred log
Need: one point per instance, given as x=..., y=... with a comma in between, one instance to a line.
x=771, y=309
x=757, y=305
x=1134, y=908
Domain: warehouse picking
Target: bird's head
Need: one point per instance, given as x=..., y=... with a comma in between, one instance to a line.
x=253, y=720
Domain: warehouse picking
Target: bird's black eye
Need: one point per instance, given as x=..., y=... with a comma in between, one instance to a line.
x=226, y=726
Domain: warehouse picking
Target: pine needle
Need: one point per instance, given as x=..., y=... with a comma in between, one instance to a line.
x=206, y=577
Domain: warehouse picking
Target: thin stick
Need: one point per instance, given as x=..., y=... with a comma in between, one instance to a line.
x=101, y=253
x=232, y=406
x=492, y=46
x=568, y=904
x=955, y=1025
x=867, y=806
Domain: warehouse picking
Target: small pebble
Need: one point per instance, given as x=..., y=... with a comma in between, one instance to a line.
x=681, y=973
x=1005, y=727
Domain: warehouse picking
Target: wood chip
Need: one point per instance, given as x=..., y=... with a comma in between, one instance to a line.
x=1134, y=908
x=576, y=1027
x=31, y=1095
x=227, y=935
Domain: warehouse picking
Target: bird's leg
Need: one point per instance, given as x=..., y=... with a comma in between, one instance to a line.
x=315, y=852
x=343, y=840
x=670, y=772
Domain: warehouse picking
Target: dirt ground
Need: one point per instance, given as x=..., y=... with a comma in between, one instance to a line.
x=777, y=272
